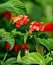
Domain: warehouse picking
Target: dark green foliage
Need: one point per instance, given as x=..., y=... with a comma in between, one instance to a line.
x=43, y=35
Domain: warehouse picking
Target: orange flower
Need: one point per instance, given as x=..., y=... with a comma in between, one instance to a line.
x=16, y=18
x=20, y=20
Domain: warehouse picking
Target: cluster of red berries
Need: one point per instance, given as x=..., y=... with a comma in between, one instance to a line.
x=7, y=15
x=16, y=47
x=20, y=20
x=36, y=26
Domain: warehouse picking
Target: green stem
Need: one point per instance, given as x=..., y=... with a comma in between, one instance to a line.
x=5, y=56
x=52, y=57
x=52, y=62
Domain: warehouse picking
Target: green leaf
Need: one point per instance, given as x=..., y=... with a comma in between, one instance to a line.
x=14, y=6
x=1, y=54
x=26, y=64
x=48, y=59
x=30, y=36
x=3, y=63
x=33, y=58
x=2, y=31
x=47, y=43
x=14, y=32
x=10, y=61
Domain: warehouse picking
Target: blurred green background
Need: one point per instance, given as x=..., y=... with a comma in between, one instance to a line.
x=40, y=10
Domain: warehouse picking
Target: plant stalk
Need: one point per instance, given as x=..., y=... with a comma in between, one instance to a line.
x=5, y=56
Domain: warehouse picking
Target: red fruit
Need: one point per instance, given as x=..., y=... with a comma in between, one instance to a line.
x=7, y=46
x=15, y=48
x=7, y=14
x=48, y=27
x=24, y=47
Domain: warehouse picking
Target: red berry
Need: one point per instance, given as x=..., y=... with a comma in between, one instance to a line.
x=24, y=47
x=48, y=27
x=15, y=48
x=7, y=14
x=7, y=46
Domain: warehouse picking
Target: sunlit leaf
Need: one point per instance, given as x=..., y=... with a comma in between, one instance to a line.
x=14, y=6
x=47, y=43
x=33, y=58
